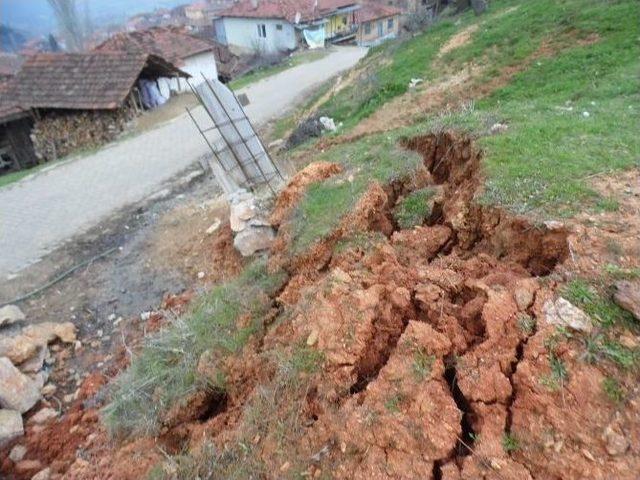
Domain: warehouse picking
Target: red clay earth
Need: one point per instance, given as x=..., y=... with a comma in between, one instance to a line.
x=435, y=354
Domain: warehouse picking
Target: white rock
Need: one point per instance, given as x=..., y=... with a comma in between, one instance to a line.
x=498, y=128
x=254, y=239
x=562, y=313
x=213, y=227
x=10, y=314
x=145, y=316
x=48, y=390
x=17, y=391
x=17, y=453
x=111, y=317
x=42, y=474
x=328, y=124
x=44, y=415
x=616, y=444
x=200, y=275
x=10, y=426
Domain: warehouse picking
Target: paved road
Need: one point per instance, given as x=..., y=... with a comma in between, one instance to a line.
x=40, y=212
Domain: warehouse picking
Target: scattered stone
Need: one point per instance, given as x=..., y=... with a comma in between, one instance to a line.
x=28, y=466
x=497, y=128
x=586, y=114
x=312, y=339
x=10, y=314
x=629, y=341
x=17, y=391
x=213, y=227
x=328, y=124
x=553, y=225
x=240, y=212
x=415, y=82
x=276, y=144
x=44, y=474
x=615, y=443
x=564, y=314
x=77, y=345
x=111, y=317
x=627, y=296
x=588, y=455
x=252, y=240
x=47, y=332
x=48, y=390
x=10, y=426
x=35, y=363
x=18, y=349
x=144, y=316
x=200, y=275
x=69, y=398
x=44, y=415
x=17, y=453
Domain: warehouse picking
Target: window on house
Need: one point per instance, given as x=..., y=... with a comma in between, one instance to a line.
x=262, y=30
x=367, y=28
x=278, y=26
x=344, y=20
x=390, y=24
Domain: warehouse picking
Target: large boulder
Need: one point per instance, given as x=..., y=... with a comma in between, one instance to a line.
x=10, y=314
x=253, y=239
x=10, y=426
x=17, y=391
x=627, y=296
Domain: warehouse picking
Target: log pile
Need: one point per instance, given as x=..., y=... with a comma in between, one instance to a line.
x=59, y=133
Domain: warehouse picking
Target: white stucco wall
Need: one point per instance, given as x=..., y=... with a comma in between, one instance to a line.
x=202, y=62
x=242, y=33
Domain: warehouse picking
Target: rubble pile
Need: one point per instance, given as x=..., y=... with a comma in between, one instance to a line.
x=251, y=230
x=25, y=365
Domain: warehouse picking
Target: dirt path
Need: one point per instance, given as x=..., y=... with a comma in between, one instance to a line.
x=41, y=212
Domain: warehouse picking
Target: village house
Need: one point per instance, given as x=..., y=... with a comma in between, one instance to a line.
x=9, y=65
x=192, y=55
x=200, y=15
x=376, y=24
x=76, y=101
x=272, y=26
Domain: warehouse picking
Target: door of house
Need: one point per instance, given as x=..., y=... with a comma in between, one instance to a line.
x=380, y=28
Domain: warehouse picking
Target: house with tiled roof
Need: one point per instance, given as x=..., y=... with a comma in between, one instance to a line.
x=377, y=23
x=66, y=102
x=281, y=25
x=193, y=55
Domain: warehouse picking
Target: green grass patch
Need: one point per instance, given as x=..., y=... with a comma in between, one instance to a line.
x=612, y=389
x=385, y=74
x=287, y=63
x=422, y=364
x=414, y=209
x=165, y=373
x=510, y=443
x=375, y=158
x=595, y=300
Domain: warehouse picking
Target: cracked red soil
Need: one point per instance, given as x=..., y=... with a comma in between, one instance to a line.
x=426, y=366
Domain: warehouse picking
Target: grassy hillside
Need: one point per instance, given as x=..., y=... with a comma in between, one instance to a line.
x=571, y=107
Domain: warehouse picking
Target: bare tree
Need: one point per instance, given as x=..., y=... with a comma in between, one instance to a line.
x=66, y=13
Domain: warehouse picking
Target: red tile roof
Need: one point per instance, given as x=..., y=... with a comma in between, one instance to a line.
x=84, y=81
x=9, y=64
x=285, y=9
x=168, y=43
x=375, y=11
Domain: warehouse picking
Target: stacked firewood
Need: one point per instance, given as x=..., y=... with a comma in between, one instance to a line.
x=60, y=133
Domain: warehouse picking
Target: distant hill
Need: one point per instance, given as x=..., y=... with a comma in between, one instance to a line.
x=35, y=16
